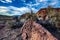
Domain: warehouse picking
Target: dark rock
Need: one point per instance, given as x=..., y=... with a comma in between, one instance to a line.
x=17, y=25
x=48, y=25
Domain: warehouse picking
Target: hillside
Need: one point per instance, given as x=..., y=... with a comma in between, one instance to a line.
x=27, y=32
x=44, y=22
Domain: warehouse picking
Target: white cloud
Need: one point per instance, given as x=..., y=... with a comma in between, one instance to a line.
x=3, y=9
x=23, y=0
x=21, y=9
x=34, y=10
x=6, y=1
x=37, y=2
x=30, y=5
x=41, y=0
x=11, y=10
x=53, y=3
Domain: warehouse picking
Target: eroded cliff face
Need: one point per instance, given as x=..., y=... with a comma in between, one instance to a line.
x=29, y=31
x=33, y=31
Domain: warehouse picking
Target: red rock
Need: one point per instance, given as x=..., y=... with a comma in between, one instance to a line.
x=34, y=31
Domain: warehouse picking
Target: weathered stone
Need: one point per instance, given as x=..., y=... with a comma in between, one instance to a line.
x=34, y=31
x=30, y=31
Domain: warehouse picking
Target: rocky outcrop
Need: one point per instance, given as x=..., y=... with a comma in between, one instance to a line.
x=29, y=31
x=34, y=31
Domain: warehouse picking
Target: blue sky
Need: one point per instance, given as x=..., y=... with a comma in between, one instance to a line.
x=19, y=7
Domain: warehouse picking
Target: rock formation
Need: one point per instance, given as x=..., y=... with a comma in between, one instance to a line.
x=29, y=31
x=33, y=31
